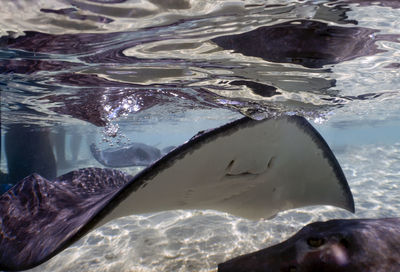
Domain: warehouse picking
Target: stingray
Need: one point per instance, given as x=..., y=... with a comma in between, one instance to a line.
x=310, y=43
x=136, y=154
x=248, y=168
x=344, y=245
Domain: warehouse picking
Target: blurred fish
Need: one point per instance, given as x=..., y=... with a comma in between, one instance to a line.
x=136, y=154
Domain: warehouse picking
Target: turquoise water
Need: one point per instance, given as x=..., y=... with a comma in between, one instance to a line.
x=157, y=72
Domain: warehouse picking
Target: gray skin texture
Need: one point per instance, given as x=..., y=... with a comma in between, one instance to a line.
x=39, y=217
x=367, y=245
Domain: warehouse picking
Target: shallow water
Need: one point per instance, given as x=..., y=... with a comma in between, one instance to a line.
x=199, y=240
x=157, y=72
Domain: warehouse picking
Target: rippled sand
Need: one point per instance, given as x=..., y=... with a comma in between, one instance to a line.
x=199, y=240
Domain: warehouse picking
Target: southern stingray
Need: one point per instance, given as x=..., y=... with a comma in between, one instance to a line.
x=342, y=245
x=248, y=168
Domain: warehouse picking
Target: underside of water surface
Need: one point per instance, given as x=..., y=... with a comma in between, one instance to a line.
x=77, y=73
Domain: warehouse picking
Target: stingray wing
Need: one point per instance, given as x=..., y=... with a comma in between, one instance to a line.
x=248, y=168
x=39, y=218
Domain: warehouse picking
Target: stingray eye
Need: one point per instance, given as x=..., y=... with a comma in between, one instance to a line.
x=345, y=242
x=315, y=242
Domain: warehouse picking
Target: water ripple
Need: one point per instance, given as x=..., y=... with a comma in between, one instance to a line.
x=305, y=58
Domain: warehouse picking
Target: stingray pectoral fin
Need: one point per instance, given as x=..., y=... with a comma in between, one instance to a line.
x=248, y=168
x=39, y=218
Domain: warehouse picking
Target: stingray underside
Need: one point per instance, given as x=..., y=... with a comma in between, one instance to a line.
x=248, y=168
x=252, y=169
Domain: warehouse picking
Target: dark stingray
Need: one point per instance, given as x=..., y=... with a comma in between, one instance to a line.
x=309, y=43
x=248, y=168
x=355, y=245
x=136, y=154
x=40, y=217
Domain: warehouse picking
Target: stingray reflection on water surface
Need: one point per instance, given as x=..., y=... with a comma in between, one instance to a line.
x=115, y=74
x=308, y=43
x=252, y=169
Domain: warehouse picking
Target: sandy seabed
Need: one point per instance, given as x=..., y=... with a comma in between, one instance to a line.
x=199, y=240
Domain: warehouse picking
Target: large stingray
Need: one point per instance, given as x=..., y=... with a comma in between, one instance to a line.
x=248, y=168
x=352, y=245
